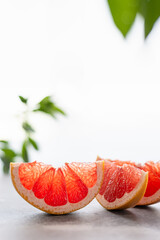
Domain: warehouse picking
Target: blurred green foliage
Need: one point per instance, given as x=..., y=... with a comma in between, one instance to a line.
x=7, y=153
x=124, y=13
x=46, y=105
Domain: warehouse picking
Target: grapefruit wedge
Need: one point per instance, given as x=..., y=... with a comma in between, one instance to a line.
x=58, y=191
x=123, y=186
x=152, y=193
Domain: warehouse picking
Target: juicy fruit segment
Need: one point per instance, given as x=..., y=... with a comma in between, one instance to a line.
x=123, y=186
x=30, y=172
x=120, y=181
x=76, y=189
x=57, y=194
x=43, y=183
x=87, y=173
x=61, y=190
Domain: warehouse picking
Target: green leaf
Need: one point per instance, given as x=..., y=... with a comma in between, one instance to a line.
x=59, y=110
x=6, y=160
x=27, y=127
x=33, y=143
x=150, y=10
x=3, y=141
x=46, y=105
x=9, y=153
x=25, y=152
x=6, y=168
x=24, y=100
x=6, y=164
x=124, y=13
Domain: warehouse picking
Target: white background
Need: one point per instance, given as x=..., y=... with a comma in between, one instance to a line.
x=109, y=87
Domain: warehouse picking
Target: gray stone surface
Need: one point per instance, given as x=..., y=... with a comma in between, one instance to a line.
x=21, y=221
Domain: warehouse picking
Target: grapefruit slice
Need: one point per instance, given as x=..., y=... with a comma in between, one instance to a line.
x=58, y=191
x=123, y=186
x=152, y=194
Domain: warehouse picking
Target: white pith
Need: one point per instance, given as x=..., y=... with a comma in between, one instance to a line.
x=29, y=196
x=120, y=202
x=150, y=200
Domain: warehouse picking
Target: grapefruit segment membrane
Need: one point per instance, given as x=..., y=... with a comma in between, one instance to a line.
x=58, y=191
x=123, y=186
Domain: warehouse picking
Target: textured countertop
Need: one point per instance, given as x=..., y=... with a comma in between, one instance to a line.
x=20, y=221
